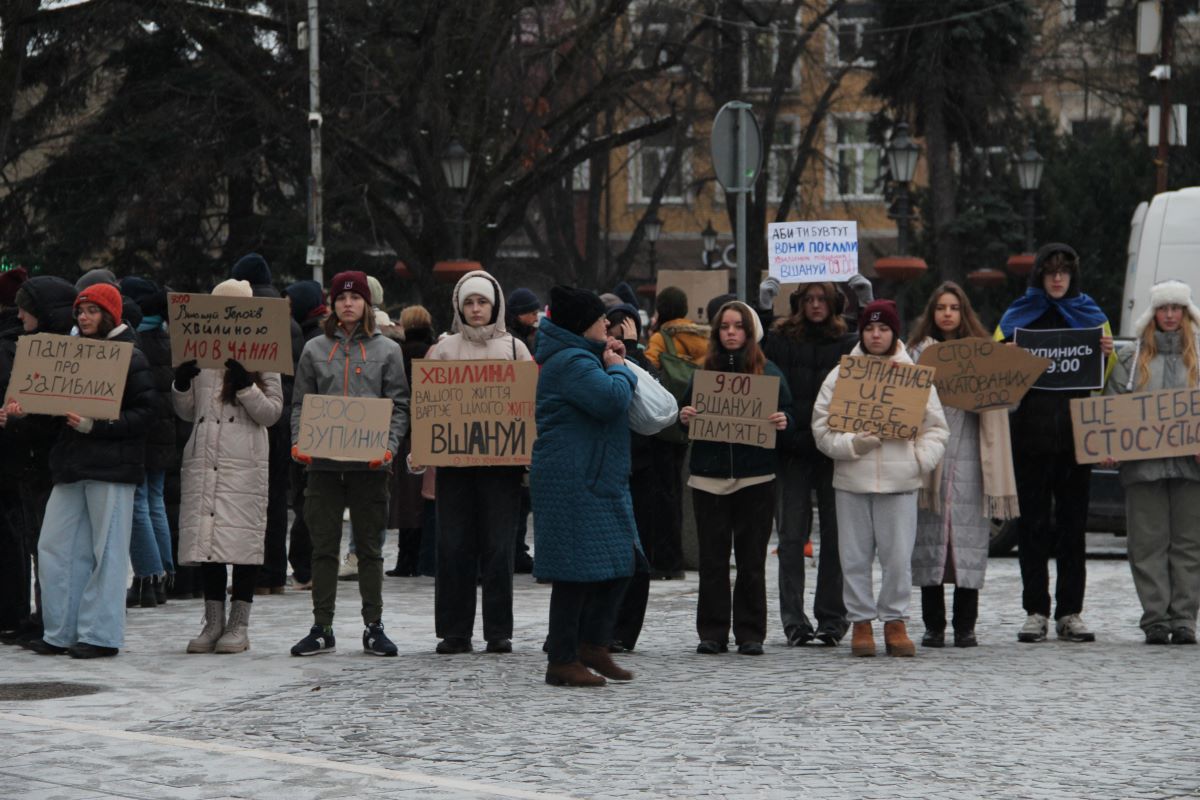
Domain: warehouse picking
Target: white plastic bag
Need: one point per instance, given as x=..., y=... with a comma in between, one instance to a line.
x=653, y=407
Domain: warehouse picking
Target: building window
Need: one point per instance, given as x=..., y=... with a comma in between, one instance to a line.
x=856, y=161
x=781, y=156
x=853, y=22
x=652, y=156
x=1090, y=10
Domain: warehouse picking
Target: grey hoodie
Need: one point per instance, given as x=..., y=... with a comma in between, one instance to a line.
x=357, y=366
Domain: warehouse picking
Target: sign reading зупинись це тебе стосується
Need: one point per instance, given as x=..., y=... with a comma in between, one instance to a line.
x=880, y=397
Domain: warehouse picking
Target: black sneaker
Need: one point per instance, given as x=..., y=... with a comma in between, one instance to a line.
x=965, y=639
x=709, y=647
x=451, y=646
x=43, y=648
x=376, y=642
x=499, y=646
x=85, y=650
x=317, y=642
x=750, y=648
x=1183, y=636
x=799, y=636
x=933, y=639
x=1158, y=634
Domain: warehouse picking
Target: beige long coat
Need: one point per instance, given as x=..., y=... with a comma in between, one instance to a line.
x=223, y=508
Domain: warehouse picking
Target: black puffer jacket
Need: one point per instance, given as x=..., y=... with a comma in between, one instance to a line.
x=114, y=450
x=161, y=452
x=27, y=440
x=805, y=362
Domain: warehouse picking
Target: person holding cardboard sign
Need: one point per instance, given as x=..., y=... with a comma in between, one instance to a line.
x=83, y=552
x=1044, y=454
x=734, y=497
x=351, y=359
x=1162, y=495
x=876, y=482
x=477, y=506
x=973, y=483
x=225, y=485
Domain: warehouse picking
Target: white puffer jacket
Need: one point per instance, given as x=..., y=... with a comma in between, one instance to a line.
x=223, y=504
x=896, y=466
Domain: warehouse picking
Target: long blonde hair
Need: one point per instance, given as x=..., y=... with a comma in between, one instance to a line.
x=1148, y=349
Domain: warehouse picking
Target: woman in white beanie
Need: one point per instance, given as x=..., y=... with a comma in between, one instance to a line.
x=477, y=506
x=1162, y=495
x=223, y=506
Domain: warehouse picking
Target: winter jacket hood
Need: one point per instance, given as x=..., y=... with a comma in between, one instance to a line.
x=690, y=338
x=895, y=466
x=487, y=342
x=51, y=300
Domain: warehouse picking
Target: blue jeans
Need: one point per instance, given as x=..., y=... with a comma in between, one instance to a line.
x=83, y=561
x=150, y=540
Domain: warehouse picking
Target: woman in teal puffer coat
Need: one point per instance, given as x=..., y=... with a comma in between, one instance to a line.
x=585, y=538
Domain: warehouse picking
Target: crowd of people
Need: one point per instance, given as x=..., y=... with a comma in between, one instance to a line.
x=186, y=492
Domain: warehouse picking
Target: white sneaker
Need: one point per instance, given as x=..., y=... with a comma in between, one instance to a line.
x=1034, y=629
x=1071, y=628
x=349, y=569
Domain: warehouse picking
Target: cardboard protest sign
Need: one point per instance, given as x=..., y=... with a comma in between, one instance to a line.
x=344, y=428
x=1134, y=427
x=700, y=286
x=473, y=413
x=56, y=374
x=977, y=374
x=803, y=252
x=733, y=407
x=1075, y=358
x=881, y=397
x=257, y=331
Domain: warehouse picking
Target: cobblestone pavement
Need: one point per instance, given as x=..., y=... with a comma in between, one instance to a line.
x=1114, y=719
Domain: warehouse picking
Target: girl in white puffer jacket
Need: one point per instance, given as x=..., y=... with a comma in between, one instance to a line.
x=876, y=482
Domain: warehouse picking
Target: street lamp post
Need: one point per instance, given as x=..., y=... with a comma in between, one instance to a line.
x=902, y=154
x=1029, y=174
x=709, y=237
x=456, y=168
x=653, y=227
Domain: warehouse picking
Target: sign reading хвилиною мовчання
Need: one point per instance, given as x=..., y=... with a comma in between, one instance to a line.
x=877, y=396
x=473, y=413
x=1135, y=427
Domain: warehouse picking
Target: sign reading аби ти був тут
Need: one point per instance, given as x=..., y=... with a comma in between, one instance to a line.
x=881, y=397
x=807, y=252
x=473, y=413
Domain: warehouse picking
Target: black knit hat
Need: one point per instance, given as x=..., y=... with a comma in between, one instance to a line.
x=522, y=301
x=573, y=309
x=253, y=268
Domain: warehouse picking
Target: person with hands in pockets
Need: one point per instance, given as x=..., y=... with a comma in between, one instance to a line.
x=876, y=483
x=223, y=501
x=477, y=506
x=351, y=359
x=734, y=496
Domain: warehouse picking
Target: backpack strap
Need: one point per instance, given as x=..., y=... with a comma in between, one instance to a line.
x=669, y=343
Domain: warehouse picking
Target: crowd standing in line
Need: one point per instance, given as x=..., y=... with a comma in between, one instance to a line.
x=184, y=488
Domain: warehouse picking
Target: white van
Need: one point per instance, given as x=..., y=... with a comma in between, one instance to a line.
x=1164, y=243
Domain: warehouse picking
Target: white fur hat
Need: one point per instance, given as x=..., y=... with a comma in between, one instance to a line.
x=233, y=288
x=1167, y=293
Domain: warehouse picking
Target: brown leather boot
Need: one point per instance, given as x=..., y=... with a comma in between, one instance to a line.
x=862, y=640
x=573, y=674
x=598, y=658
x=895, y=639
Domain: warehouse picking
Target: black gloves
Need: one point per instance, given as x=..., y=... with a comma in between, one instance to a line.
x=184, y=374
x=238, y=377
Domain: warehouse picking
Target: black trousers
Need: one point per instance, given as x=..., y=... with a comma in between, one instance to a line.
x=299, y=540
x=1053, y=491
x=273, y=571
x=632, y=611
x=741, y=521
x=15, y=560
x=215, y=579
x=798, y=477
x=477, y=511
x=581, y=612
x=933, y=608
x=663, y=543
x=33, y=495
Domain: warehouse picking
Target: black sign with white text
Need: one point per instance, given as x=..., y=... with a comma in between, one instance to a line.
x=1075, y=358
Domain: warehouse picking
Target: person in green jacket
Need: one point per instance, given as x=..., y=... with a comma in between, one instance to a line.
x=734, y=497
